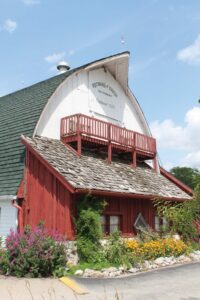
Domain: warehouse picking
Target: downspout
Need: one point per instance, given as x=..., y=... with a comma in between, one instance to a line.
x=19, y=208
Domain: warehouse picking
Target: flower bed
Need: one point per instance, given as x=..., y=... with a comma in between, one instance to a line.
x=157, y=248
x=33, y=253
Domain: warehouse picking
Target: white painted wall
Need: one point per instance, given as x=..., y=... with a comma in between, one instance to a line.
x=94, y=93
x=8, y=217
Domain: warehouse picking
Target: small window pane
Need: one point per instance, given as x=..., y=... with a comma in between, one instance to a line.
x=114, y=223
x=140, y=222
x=157, y=223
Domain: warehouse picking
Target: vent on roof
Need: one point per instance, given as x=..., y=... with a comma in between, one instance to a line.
x=63, y=66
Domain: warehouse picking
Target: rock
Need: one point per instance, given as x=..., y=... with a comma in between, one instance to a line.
x=112, y=269
x=133, y=270
x=112, y=274
x=88, y=272
x=154, y=266
x=168, y=260
x=197, y=252
x=97, y=274
x=122, y=269
x=118, y=273
x=105, y=273
x=159, y=261
x=194, y=256
x=78, y=273
x=187, y=259
x=181, y=258
x=147, y=264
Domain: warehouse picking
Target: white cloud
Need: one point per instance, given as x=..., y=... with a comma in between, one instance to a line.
x=191, y=160
x=31, y=2
x=183, y=138
x=191, y=54
x=168, y=166
x=71, y=52
x=55, y=57
x=10, y=25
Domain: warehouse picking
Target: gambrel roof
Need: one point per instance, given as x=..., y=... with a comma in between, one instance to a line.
x=19, y=114
x=96, y=174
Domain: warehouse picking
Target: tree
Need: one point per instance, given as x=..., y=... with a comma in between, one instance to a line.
x=183, y=217
x=189, y=176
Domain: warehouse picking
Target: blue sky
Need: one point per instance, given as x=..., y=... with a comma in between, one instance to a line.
x=162, y=36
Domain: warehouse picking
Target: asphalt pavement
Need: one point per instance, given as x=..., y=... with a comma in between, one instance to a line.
x=174, y=283
x=181, y=282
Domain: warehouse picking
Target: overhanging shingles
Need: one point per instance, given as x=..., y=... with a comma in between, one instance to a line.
x=93, y=173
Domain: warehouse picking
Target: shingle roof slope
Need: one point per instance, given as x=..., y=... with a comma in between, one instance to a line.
x=89, y=172
x=19, y=113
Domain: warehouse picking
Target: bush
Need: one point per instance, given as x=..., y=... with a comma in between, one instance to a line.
x=88, y=228
x=34, y=253
x=117, y=251
x=157, y=248
x=182, y=217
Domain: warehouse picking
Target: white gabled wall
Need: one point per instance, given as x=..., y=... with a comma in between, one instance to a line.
x=8, y=217
x=94, y=93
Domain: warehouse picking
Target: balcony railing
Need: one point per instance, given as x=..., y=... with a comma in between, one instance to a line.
x=98, y=130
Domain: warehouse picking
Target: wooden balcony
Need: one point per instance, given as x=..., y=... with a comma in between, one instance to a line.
x=79, y=128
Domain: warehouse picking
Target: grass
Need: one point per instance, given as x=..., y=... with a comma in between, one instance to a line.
x=93, y=266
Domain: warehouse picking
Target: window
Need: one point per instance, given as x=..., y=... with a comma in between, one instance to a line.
x=160, y=223
x=140, y=222
x=110, y=223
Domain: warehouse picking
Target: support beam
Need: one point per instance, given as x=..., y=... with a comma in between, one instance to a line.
x=79, y=146
x=155, y=164
x=134, y=161
x=78, y=137
x=109, y=152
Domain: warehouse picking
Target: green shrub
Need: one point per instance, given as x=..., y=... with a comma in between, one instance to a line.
x=88, y=229
x=88, y=225
x=183, y=216
x=117, y=252
x=34, y=253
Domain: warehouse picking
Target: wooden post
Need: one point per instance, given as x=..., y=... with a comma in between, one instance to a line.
x=155, y=164
x=134, y=157
x=134, y=162
x=109, y=145
x=78, y=136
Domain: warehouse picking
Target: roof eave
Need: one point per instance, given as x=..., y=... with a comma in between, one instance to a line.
x=69, y=187
x=128, y=195
x=180, y=184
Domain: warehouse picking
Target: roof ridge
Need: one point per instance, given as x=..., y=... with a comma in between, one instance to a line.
x=66, y=74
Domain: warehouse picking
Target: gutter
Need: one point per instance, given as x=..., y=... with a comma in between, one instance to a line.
x=8, y=197
x=128, y=195
x=173, y=179
x=19, y=208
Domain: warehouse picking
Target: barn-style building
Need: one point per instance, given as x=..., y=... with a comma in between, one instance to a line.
x=78, y=132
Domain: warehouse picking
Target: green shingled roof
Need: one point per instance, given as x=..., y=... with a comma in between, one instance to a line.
x=19, y=113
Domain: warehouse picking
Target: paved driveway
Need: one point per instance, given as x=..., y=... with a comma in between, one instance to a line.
x=181, y=282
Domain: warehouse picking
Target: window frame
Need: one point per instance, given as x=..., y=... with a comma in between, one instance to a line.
x=107, y=225
x=161, y=222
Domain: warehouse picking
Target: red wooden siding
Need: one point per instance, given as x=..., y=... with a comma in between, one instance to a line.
x=46, y=199
x=128, y=209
